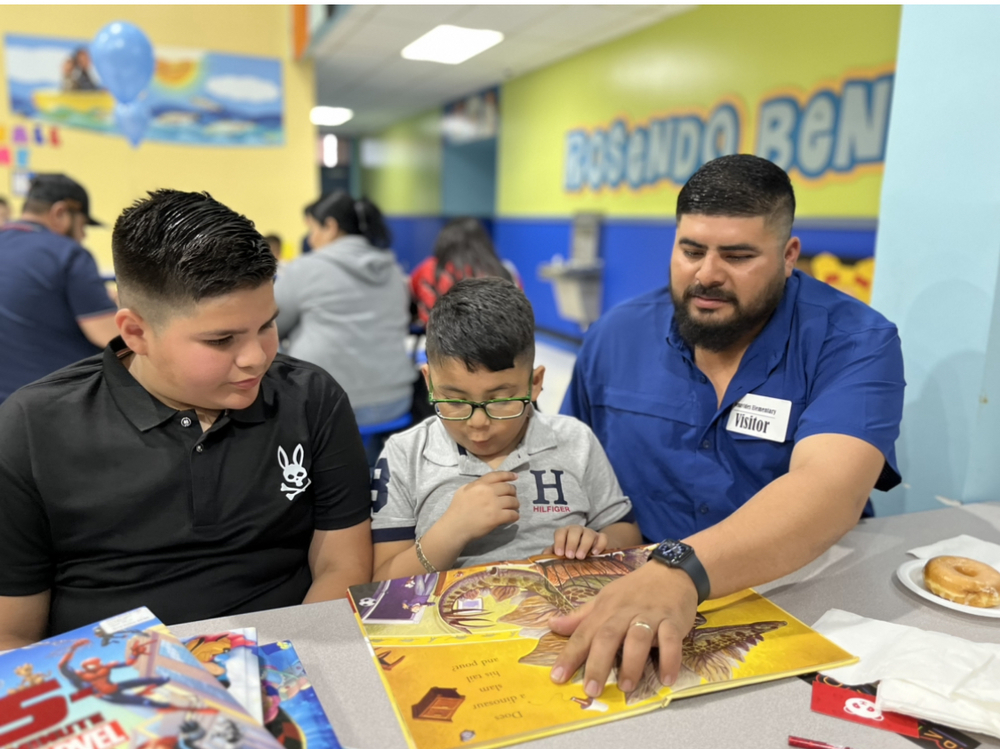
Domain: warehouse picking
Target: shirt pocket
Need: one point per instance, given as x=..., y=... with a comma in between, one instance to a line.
x=682, y=409
x=637, y=427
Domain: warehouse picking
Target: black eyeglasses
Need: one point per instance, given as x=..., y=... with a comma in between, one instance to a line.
x=500, y=409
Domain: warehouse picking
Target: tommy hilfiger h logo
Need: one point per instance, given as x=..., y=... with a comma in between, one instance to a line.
x=542, y=504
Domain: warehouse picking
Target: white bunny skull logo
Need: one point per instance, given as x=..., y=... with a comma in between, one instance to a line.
x=296, y=477
x=863, y=708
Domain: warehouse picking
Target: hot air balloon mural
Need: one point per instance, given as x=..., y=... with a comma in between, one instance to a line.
x=186, y=96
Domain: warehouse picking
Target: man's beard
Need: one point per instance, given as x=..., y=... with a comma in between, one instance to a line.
x=720, y=336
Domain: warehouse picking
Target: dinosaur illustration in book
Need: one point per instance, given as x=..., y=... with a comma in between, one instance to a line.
x=709, y=653
x=473, y=669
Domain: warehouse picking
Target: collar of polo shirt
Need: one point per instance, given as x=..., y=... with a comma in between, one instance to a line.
x=444, y=451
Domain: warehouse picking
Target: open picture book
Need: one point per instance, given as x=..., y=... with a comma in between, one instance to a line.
x=465, y=655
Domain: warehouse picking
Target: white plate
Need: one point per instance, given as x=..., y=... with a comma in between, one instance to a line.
x=911, y=574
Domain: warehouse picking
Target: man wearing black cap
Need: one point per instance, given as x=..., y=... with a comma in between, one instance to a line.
x=54, y=307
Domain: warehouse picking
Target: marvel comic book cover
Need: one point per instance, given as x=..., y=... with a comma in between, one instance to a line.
x=231, y=657
x=465, y=654
x=123, y=683
x=292, y=711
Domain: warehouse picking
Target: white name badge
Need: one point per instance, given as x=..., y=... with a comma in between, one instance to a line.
x=760, y=416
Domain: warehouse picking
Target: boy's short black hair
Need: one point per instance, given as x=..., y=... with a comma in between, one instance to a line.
x=740, y=185
x=484, y=322
x=174, y=249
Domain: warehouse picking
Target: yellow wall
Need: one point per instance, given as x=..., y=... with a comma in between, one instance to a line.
x=689, y=64
x=270, y=185
x=407, y=180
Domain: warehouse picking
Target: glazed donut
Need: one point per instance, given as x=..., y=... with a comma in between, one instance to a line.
x=963, y=580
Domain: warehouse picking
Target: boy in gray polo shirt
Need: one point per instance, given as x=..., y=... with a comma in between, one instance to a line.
x=489, y=478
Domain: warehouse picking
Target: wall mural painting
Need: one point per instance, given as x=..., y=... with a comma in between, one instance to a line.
x=195, y=97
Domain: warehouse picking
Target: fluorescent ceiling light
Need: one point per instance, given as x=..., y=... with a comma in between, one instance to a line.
x=330, y=116
x=330, y=150
x=451, y=44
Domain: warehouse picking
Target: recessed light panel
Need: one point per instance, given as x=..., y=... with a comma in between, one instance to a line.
x=451, y=45
x=330, y=116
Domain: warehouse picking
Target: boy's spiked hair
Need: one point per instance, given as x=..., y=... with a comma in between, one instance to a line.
x=484, y=322
x=173, y=249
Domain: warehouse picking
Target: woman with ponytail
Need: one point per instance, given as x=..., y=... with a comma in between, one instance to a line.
x=345, y=307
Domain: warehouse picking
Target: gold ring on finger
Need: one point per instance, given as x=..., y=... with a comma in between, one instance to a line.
x=642, y=624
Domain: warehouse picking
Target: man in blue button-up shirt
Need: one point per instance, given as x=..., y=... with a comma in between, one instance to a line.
x=747, y=409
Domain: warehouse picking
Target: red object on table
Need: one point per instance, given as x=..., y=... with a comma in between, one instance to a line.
x=858, y=707
x=810, y=744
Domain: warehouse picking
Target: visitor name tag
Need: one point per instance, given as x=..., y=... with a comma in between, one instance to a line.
x=760, y=416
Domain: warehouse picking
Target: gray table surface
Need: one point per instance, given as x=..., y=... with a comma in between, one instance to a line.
x=857, y=575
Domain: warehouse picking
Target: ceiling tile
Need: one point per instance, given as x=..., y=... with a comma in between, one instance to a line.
x=358, y=62
x=417, y=15
x=576, y=23
x=509, y=19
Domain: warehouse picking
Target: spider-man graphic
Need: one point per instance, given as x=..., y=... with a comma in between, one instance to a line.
x=95, y=676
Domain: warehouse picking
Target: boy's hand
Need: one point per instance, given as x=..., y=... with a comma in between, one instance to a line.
x=484, y=504
x=575, y=542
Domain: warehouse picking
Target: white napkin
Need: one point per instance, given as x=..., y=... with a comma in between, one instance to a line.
x=961, y=546
x=927, y=675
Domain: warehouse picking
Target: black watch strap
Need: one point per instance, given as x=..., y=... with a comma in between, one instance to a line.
x=681, y=556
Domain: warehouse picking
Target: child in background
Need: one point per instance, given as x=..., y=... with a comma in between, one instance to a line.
x=462, y=249
x=489, y=478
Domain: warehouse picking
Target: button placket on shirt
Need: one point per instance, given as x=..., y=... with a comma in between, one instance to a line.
x=202, y=473
x=186, y=422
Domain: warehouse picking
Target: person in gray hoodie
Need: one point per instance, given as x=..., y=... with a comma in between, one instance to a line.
x=345, y=307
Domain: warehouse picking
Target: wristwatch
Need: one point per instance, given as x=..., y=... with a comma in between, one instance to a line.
x=681, y=556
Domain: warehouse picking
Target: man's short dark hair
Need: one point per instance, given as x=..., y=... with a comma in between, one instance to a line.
x=484, y=322
x=740, y=185
x=174, y=249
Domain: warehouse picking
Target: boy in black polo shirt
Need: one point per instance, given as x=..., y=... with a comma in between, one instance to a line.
x=188, y=468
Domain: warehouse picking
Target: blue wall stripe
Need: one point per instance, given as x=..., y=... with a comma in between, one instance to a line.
x=636, y=253
x=413, y=237
x=529, y=244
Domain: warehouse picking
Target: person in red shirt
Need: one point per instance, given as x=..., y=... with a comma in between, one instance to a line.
x=463, y=250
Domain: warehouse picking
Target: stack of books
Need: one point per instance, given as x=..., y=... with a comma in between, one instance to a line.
x=127, y=682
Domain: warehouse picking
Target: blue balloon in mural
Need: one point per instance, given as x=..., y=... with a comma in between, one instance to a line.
x=133, y=119
x=123, y=57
